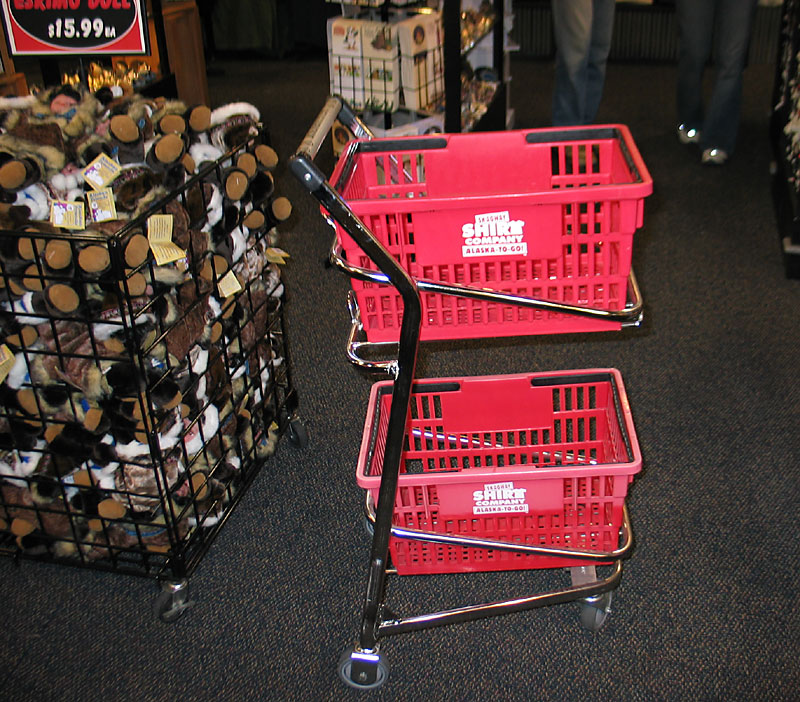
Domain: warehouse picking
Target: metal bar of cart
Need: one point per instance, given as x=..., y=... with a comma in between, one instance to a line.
x=494, y=609
x=630, y=316
x=400, y=625
x=622, y=551
x=302, y=165
x=555, y=456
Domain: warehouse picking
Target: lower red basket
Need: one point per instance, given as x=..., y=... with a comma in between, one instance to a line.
x=543, y=459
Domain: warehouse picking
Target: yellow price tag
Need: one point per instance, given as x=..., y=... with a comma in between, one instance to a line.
x=101, y=171
x=276, y=255
x=159, y=236
x=229, y=284
x=7, y=361
x=69, y=215
x=101, y=205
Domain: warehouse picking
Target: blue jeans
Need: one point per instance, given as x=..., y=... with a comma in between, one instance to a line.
x=698, y=23
x=582, y=31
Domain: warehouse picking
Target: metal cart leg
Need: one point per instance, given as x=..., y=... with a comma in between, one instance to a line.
x=366, y=667
x=365, y=662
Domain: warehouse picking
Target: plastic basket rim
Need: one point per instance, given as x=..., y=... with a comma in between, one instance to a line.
x=469, y=475
x=642, y=185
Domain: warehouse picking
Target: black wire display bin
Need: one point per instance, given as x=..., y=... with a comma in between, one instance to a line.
x=141, y=399
x=783, y=129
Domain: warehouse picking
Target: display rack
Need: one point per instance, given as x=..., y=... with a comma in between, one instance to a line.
x=471, y=102
x=140, y=399
x=455, y=51
x=785, y=138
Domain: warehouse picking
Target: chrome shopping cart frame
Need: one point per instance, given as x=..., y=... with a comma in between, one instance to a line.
x=363, y=665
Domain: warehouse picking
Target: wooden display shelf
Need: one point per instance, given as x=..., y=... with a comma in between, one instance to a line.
x=184, y=44
x=13, y=85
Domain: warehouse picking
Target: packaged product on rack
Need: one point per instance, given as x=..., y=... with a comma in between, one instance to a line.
x=405, y=122
x=346, y=59
x=373, y=3
x=381, y=66
x=421, y=60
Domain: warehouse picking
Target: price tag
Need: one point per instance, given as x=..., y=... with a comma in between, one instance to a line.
x=229, y=284
x=7, y=361
x=159, y=235
x=101, y=172
x=69, y=215
x=47, y=27
x=101, y=205
x=276, y=255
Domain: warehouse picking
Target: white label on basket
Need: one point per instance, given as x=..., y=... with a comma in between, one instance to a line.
x=493, y=234
x=496, y=498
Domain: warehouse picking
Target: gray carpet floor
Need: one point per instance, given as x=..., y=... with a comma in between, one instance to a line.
x=709, y=606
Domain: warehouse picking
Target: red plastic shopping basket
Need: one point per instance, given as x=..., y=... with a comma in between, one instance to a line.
x=540, y=459
x=547, y=214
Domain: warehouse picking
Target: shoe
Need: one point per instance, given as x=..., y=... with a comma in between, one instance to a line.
x=714, y=157
x=687, y=135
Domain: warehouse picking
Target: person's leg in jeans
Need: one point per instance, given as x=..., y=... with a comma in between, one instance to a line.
x=733, y=25
x=695, y=32
x=572, y=30
x=602, y=30
x=582, y=30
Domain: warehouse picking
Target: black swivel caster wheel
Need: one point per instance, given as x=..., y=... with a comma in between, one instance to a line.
x=345, y=670
x=595, y=611
x=595, y=608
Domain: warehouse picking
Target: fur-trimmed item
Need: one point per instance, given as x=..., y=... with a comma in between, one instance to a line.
x=168, y=118
x=134, y=185
x=139, y=108
x=233, y=124
x=203, y=154
x=36, y=198
x=48, y=158
x=74, y=110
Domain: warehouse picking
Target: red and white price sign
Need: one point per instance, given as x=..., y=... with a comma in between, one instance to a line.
x=53, y=27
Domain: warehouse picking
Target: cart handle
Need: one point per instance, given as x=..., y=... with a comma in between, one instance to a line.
x=303, y=167
x=335, y=108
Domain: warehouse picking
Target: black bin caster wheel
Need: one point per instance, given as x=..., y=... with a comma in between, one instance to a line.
x=172, y=601
x=297, y=433
x=595, y=611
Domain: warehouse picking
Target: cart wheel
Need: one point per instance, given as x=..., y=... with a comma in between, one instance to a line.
x=172, y=602
x=595, y=611
x=297, y=433
x=346, y=665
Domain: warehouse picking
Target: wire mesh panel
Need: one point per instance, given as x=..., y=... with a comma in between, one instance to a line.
x=140, y=396
x=537, y=459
